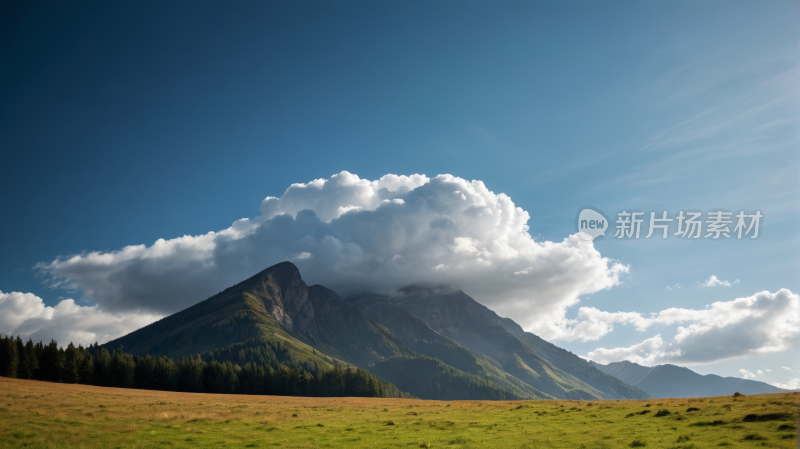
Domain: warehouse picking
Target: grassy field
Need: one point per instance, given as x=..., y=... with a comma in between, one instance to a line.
x=40, y=414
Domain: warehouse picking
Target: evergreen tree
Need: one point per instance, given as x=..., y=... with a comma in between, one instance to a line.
x=72, y=362
x=29, y=363
x=51, y=362
x=122, y=369
x=86, y=367
x=102, y=367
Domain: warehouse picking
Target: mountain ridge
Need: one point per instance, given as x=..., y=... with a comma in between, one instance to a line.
x=313, y=323
x=460, y=346
x=671, y=381
x=542, y=365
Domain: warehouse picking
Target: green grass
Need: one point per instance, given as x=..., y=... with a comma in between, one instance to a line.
x=39, y=414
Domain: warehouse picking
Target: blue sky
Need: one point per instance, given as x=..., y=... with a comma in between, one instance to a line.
x=124, y=124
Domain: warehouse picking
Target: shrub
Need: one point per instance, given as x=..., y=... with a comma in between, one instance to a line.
x=707, y=423
x=766, y=417
x=692, y=409
x=787, y=427
x=754, y=437
x=639, y=442
x=737, y=394
x=661, y=413
x=683, y=438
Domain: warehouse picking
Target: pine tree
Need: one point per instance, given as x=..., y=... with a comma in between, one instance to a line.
x=102, y=367
x=28, y=361
x=73, y=361
x=86, y=367
x=12, y=358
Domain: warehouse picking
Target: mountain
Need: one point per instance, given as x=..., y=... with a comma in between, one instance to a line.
x=486, y=344
x=308, y=328
x=421, y=338
x=276, y=305
x=670, y=381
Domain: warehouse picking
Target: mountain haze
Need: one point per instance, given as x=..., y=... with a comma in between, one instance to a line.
x=670, y=381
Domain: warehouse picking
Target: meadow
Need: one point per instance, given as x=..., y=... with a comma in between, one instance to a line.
x=42, y=414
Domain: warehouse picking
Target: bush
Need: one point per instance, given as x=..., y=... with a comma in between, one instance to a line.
x=692, y=409
x=766, y=417
x=754, y=437
x=707, y=423
x=661, y=413
x=787, y=427
x=639, y=442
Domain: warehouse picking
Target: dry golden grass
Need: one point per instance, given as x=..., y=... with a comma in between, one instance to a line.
x=40, y=414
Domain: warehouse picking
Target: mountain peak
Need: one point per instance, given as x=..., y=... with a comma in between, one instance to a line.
x=284, y=271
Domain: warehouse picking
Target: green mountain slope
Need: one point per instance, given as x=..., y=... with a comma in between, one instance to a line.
x=519, y=354
x=429, y=378
x=421, y=338
x=275, y=305
x=281, y=321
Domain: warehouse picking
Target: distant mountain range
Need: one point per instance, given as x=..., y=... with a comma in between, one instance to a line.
x=670, y=381
x=432, y=343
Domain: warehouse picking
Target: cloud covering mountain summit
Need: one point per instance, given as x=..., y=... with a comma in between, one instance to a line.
x=354, y=234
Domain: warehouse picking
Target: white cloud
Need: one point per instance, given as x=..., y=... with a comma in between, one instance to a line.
x=646, y=353
x=746, y=374
x=713, y=281
x=25, y=314
x=786, y=368
x=677, y=286
x=363, y=235
x=767, y=370
x=303, y=255
x=760, y=373
x=792, y=384
x=759, y=324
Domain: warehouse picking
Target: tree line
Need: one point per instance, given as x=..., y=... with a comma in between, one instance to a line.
x=251, y=367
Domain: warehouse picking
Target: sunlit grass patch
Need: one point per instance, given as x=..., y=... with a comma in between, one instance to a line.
x=139, y=418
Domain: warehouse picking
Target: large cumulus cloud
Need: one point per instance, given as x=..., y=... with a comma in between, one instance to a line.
x=759, y=324
x=25, y=314
x=352, y=234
